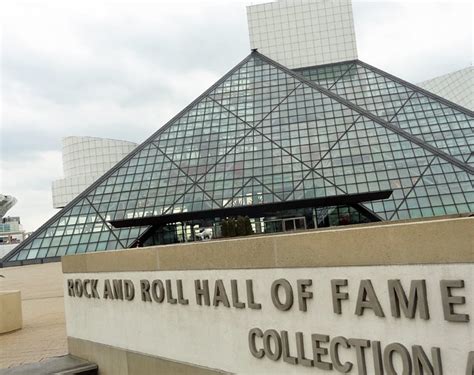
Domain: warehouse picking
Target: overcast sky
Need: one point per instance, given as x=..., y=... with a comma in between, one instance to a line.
x=121, y=69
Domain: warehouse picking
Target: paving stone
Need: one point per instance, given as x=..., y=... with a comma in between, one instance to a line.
x=44, y=329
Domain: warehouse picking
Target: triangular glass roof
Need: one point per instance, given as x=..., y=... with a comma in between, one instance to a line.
x=430, y=118
x=261, y=134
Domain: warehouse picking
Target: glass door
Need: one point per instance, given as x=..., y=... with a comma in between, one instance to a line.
x=288, y=225
x=295, y=223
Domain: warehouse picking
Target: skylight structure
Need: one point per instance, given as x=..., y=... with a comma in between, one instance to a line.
x=268, y=139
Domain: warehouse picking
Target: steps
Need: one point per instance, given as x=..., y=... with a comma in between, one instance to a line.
x=64, y=365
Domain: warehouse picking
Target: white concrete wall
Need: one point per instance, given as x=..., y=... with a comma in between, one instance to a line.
x=301, y=33
x=457, y=87
x=216, y=337
x=6, y=202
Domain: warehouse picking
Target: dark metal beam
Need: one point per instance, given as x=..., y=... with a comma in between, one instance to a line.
x=257, y=210
x=324, y=65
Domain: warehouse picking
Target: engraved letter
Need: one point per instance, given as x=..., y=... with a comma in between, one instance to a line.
x=129, y=290
x=367, y=299
x=417, y=299
x=255, y=332
x=288, y=293
x=338, y=296
x=220, y=295
x=286, y=349
x=303, y=294
x=235, y=295
x=169, y=293
x=108, y=292
x=250, y=297
x=360, y=345
x=86, y=293
x=118, y=289
x=271, y=334
x=388, y=359
x=70, y=287
x=95, y=293
x=157, y=291
x=181, y=299
x=300, y=351
x=318, y=351
x=334, y=351
x=470, y=364
x=202, y=292
x=377, y=354
x=145, y=290
x=422, y=364
x=78, y=287
x=449, y=301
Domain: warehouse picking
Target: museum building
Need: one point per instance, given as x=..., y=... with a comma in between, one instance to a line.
x=328, y=145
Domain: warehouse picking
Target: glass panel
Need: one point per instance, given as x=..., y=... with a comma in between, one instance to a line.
x=289, y=224
x=300, y=223
x=326, y=75
x=436, y=123
x=262, y=136
x=254, y=90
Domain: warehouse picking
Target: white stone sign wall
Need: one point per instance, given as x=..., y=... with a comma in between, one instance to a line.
x=290, y=320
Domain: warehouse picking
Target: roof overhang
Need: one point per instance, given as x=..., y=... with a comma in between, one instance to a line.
x=257, y=210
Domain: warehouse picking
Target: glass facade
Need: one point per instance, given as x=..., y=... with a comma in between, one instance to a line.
x=445, y=127
x=263, y=135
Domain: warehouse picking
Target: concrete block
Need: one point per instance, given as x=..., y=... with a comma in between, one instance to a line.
x=11, y=317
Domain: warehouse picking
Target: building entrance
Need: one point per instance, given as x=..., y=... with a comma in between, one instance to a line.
x=295, y=223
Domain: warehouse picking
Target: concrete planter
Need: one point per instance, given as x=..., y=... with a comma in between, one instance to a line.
x=11, y=317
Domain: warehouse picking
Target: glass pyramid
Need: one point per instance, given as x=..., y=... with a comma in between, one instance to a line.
x=265, y=134
x=434, y=120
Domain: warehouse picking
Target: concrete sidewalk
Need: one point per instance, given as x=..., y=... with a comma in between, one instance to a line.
x=44, y=330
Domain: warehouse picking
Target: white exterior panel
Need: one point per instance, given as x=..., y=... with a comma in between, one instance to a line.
x=301, y=33
x=85, y=159
x=457, y=87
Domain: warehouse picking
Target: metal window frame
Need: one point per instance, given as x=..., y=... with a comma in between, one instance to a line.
x=416, y=88
x=393, y=128
x=294, y=73
x=258, y=209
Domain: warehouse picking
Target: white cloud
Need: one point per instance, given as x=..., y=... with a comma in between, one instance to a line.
x=100, y=68
x=31, y=178
x=415, y=40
